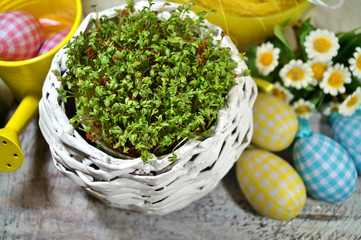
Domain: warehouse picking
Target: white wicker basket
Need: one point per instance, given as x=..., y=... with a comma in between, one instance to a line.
x=160, y=186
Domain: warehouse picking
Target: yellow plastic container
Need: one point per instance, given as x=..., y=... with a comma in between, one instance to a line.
x=245, y=31
x=25, y=78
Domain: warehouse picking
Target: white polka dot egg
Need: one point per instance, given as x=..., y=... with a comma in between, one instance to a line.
x=270, y=184
x=275, y=124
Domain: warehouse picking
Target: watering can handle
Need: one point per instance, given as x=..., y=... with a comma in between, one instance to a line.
x=24, y=114
x=323, y=4
x=11, y=154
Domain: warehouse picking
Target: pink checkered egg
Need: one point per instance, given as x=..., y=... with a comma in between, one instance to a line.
x=53, y=41
x=275, y=124
x=270, y=184
x=325, y=167
x=21, y=35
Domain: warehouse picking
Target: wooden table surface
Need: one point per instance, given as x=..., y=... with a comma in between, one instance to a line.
x=37, y=202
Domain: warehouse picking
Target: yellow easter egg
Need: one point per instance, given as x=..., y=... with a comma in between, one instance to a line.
x=270, y=184
x=275, y=124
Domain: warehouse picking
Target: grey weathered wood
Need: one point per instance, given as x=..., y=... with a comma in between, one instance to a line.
x=37, y=202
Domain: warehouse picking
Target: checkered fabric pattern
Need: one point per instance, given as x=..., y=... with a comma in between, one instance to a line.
x=275, y=125
x=325, y=167
x=347, y=132
x=271, y=185
x=21, y=35
x=53, y=41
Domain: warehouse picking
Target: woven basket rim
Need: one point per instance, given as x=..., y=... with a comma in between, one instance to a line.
x=227, y=42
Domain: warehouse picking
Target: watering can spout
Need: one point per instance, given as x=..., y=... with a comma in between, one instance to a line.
x=11, y=154
x=26, y=77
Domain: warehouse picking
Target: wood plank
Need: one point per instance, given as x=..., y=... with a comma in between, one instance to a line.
x=37, y=202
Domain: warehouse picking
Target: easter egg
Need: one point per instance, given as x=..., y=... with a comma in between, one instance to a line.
x=326, y=168
x=53, y=41
x=270, y=184
x=21, y=35
x=346, y=131
x=275, y=124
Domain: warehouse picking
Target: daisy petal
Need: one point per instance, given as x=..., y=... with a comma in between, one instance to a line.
x=282, y=93
x=303, y=109
x=329, y=108
x=334, y=79
x=351, y=103
x=321, y=45
x=318, y=69
x=267, y=58
x=355, y=63
x=296, y=74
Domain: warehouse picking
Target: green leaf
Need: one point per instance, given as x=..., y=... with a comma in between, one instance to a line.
x=347, y=49
x=346, y=36
x=105, y=60
x=351, y=87
x=304, y=31
x=279, y=34
x=317, y=98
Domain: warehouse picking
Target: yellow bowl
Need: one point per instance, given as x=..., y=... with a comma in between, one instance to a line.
x=27, y=76
x=245, y=31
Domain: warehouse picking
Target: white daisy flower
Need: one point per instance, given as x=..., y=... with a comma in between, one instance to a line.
x=355, y=63
x=350, y=105
x=296, y=74
x=322, y=45
x=267, y=58
x=329, y=108
x=282, y=93
x=335, y=78
x=318, y=69
x=303, y=109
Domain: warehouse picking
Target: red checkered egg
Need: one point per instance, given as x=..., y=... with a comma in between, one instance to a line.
x=53, y=41
x=21, y=35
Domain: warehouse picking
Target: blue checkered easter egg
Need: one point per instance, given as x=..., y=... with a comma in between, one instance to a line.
x=347, y=132
x=326, y=168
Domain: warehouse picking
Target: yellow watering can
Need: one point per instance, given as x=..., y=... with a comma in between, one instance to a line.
x=245, y=31
x=25, y=78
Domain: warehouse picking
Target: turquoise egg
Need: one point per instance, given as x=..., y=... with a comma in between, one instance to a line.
x=327, y=170
x=347, y=132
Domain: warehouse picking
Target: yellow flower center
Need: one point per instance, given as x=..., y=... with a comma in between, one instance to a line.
x=302, y=110
x=266, y=58
x=353, y=101
x=334, y=109
x=296, y=74
x=358, y=62
x=318, y=69
x=278, y=93
x=322, y=45
x=335, y=80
